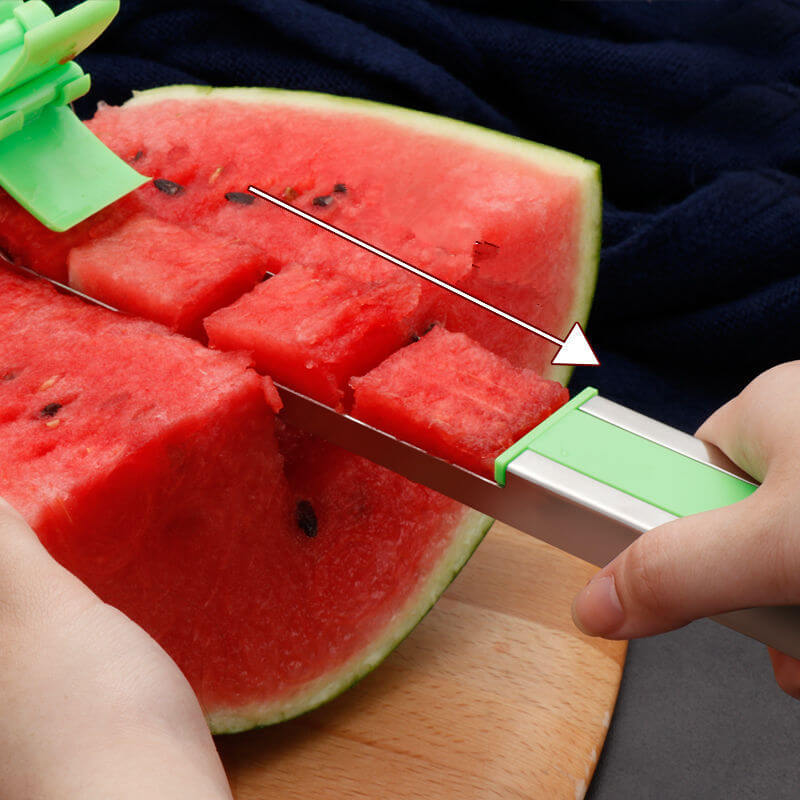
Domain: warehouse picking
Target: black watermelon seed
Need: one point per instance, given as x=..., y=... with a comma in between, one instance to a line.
x=168, y=187
x=267, y=276
x=323, y=200
x=139, y=154
x=306, y=518
x=339, y=187
x=50, y=410
x=482, y=251
x=243, y=198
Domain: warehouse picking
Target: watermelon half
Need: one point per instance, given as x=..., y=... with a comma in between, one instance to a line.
x=274, y=568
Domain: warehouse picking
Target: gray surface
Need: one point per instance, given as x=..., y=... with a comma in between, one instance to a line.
x=699, y=716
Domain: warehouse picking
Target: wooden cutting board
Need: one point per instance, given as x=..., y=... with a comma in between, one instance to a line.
x=494, y=695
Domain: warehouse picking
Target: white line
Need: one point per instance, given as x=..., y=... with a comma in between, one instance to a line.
x=404, y=265
x=63, y=286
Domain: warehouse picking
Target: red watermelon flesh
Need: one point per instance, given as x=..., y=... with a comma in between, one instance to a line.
x=33, y=245
x=421, y=187
x=455, y=399
x=148, y=466
x=196, y=272
x=471, y=205
x=312, y=328
x=411, y=194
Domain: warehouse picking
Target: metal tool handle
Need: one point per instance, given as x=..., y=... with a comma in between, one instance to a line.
x=623, y=473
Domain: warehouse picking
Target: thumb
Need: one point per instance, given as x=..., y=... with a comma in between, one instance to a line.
x=12, y=522
x=729, y=558
x=32, y=582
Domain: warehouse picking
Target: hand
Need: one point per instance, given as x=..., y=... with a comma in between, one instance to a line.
x=743, y=555
x=92, y=706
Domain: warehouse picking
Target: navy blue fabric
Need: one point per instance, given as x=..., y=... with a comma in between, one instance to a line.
x=692, y=110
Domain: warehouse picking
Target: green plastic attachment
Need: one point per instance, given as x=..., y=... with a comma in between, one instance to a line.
x=50, y=162
x=627, y=461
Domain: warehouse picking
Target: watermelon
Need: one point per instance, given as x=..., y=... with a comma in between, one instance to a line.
x=469, y=410
x=510, y=221
x=274, y=568
x=149, y=466
x=197, y=272
x=312, y=328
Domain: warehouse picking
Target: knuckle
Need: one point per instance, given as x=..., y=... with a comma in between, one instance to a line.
x=774, y=378
x=753, y=429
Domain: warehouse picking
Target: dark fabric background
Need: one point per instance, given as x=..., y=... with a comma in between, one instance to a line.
x=693, y=112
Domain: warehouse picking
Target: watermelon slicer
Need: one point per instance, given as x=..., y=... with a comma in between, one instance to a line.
x=610, y=474
x=50, y=162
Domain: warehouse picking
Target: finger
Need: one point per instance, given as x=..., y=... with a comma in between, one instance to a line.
x=32, y=582
x=18, y=543
x=12, y=521
x=787, y=672
x=753, y=430
x=733, y=557
x=19, y=556
x=730, y=428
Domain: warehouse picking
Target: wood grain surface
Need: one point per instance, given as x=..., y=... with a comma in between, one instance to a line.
x=494, y=695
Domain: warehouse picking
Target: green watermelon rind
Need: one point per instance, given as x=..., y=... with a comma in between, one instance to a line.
x=543, y=156
x=466, y=537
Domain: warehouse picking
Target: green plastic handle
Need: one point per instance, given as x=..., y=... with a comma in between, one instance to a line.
x=40, y=41
x=615, y=456
x=50, y=162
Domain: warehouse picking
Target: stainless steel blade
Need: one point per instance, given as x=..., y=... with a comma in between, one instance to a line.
x=560, y=506
x=62, y=287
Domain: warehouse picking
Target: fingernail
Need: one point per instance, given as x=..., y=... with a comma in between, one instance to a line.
x=597, y=610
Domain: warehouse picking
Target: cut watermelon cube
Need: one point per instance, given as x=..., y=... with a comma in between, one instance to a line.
x=455, y=399
x=165, y=273
x=313, y=328
x=35, y=246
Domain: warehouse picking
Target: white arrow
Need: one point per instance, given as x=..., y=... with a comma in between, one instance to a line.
x=573, y=351
x=576, y=350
